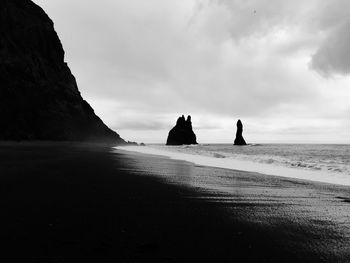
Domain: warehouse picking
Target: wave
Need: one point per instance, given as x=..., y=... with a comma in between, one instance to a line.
x=289, y=162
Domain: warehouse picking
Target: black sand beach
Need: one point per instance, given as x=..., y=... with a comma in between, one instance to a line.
x=92, y=203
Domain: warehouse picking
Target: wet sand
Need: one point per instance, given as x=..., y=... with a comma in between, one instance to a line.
x=89, y=203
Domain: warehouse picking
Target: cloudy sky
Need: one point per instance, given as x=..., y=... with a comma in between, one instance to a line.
x=283, y=67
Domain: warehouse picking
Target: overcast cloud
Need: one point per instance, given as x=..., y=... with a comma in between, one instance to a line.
x=280, y=66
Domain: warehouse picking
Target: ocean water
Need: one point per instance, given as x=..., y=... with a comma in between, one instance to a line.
x=317, y=162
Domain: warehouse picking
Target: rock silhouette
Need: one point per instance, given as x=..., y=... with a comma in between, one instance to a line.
x=182, y=133
x=39, y=97
x=239, y=134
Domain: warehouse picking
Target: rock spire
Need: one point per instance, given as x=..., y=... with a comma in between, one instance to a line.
x=182, y=133
x=239, y=134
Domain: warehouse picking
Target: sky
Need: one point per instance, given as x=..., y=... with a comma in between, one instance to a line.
x=282, y=67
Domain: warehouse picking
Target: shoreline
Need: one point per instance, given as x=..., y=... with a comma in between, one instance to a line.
x=243, y=165
x=305, y=216
x=77, y=203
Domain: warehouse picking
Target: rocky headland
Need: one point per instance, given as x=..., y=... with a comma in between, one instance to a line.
x=39, y=97
x=182, y=133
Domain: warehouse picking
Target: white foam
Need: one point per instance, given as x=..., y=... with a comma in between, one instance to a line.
x=244, y=165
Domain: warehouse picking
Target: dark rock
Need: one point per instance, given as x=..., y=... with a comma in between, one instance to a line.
x=142, y=144
x=39, y=97
x=239, y=137
x=182, y=133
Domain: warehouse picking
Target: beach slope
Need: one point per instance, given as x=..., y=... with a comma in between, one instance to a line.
x=92, y=203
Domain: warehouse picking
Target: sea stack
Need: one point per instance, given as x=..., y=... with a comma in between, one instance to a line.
x=182, y=133
x=239, y=134
x=39, y=97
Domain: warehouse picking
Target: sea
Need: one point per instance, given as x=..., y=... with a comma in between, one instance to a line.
x=327, y=163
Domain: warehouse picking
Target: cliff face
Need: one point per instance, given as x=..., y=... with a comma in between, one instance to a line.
x=239, y=134
x=182, y=133
x=39, y=97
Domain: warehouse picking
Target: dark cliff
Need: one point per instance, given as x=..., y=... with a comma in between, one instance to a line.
x=182, y=133
x=239, y=134
x=39, y=97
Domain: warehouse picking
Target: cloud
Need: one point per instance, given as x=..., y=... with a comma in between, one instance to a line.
x=141, y=64
x=333, y=56
x=156, y=58
x=322, y=25
x=332, y=27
